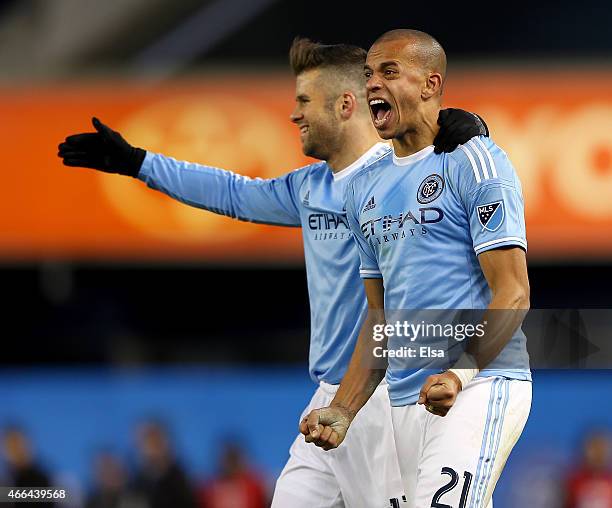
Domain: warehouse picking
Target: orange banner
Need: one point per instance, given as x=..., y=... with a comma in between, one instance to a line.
x=556, y=129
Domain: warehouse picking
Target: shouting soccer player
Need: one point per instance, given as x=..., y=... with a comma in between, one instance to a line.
x=435, y=231
x=333, y=117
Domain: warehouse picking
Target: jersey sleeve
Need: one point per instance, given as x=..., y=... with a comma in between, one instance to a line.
x=490, y=191
x=267, y=201
x=368, y=268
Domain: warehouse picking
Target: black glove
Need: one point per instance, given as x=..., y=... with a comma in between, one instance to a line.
x=105, y=150
x=457, y=127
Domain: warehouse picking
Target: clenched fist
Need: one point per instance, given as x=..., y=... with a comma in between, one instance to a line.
x=440, y=392
x=326, y=427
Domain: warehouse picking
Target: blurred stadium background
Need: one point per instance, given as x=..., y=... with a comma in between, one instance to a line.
x=149, y=347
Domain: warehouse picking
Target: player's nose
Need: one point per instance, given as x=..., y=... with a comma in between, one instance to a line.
x=295, y=116
x=373, y=83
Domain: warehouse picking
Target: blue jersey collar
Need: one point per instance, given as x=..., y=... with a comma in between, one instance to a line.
x=415, y=157
x=343, y=173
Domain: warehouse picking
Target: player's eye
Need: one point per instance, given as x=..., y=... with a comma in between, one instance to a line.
x=389, y=72
x=367, y=74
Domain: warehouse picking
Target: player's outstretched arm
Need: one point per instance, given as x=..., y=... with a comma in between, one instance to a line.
x=271, y=201
x=457, y=127
x=327, y=427
x=506, y=272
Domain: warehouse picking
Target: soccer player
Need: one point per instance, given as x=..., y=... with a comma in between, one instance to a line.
x=333, y=117
x=435, y=231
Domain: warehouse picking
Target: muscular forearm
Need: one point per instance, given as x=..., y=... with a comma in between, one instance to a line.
x=362, y=377
x=327, y=427
x=501, y=319
x=504, y=315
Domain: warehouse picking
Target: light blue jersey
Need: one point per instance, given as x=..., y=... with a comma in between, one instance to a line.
x=421, y=221
x=311, y=197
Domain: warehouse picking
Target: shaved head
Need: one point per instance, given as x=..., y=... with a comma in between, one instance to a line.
x=420, y=47
x=405, y=72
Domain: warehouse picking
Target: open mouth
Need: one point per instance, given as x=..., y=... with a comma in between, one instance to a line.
x=381, y=112
x=303, y=130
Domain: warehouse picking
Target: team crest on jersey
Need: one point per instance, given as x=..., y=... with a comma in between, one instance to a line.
x=430, y=189
x=491, y=215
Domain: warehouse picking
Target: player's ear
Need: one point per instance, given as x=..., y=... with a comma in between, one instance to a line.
x=432, y=86
x=348, y=104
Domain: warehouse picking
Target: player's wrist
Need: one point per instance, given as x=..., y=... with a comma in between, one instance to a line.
x=348, y=412
x=464, y=370
x=134, y=163
x=454, y=379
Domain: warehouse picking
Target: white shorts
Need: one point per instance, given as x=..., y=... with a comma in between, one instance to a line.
x=361, y=473
x=456, y=461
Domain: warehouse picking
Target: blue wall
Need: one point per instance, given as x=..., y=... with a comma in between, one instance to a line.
x=71, y=413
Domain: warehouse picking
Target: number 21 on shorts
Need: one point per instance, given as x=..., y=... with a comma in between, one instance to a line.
x=452, y=483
